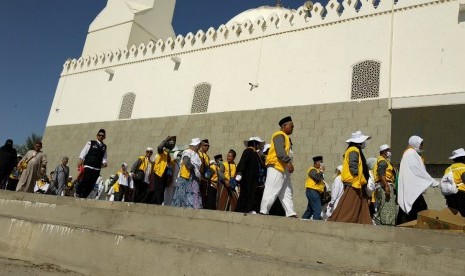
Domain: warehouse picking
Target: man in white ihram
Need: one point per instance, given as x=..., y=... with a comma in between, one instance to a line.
x=279, y=168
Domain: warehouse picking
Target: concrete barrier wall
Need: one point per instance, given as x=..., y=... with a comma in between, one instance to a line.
x=173, y=235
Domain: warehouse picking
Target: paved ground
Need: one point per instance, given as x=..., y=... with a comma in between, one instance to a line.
x=22, y=268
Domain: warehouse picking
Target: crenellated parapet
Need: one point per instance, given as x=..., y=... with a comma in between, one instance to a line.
x=334, y=12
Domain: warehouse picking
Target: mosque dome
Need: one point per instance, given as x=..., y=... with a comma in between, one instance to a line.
x=263, y=11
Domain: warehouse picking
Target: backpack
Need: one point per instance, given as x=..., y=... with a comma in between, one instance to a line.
x=447, y=184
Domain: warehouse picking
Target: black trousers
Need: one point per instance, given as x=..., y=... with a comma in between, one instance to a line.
x=418, y=206
x=158, y=195
x=457, y=202
x=86, y=184
x=211, y=198
x=120, y=194
x=141, y=192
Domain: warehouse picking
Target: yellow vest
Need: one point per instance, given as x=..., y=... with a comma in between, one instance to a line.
x=161, y=162
x=116, y=185
x=357, y=181
x=183, y=171
x=214, y=178
x=144, y=164
x=205, y=160
x=310, y=183
x=389, y=170
x=272, y=158
x=459, y=169
x=228, y=174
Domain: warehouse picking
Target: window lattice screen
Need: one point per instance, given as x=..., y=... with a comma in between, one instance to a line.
x=127, y=105
x=201, y=98
x=365, y=80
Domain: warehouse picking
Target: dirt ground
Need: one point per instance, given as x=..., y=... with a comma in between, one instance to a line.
x=23, y=268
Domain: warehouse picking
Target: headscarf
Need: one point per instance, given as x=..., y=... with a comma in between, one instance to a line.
x=415, y=142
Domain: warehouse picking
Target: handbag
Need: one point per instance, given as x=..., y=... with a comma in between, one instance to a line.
x=139, y=175
x=447, y=183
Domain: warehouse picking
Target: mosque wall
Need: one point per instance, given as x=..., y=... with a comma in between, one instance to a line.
x=295, y=60
x=319, y=130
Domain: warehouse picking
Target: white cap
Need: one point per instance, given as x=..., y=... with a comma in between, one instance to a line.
x=212, y=162
x=383, y=147
x=457, y=153
x=358, y=137
x=255, y=138
x=195, y=142
x=124, y=165
x=149, y=149
x=339, y=168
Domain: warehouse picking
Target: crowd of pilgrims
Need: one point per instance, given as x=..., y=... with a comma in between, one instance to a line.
x=366, y=191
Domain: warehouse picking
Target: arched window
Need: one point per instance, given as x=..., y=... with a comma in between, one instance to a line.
x=365, y=80
x=201, y=98
x=127, y=105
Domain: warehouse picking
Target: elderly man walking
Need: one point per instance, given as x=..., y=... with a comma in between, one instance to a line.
x=61, y=176
x=279, y=168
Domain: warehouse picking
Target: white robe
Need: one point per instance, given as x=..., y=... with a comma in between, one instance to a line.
x=413, y=179
x=337, y=190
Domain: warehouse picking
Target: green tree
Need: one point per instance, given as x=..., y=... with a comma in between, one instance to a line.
x=29, y=144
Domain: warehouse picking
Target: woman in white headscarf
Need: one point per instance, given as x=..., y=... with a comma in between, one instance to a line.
x=337, y=189
x=413, y=181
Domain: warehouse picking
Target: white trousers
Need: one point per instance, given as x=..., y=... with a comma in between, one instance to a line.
x=277, y=185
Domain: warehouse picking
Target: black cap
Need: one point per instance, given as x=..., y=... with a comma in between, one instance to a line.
x=205, y=141
x=101, y=131
x=218, y=156
x=285, y=120
x=9, y=142
x=317, y=158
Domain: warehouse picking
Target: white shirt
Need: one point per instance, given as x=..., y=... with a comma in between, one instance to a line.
x=124, y=180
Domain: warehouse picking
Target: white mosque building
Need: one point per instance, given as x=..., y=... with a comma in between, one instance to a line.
x=388, y=68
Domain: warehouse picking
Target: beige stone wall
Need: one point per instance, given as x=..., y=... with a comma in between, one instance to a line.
x=319, y=130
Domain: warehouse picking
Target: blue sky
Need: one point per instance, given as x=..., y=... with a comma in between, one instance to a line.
x=37, y=36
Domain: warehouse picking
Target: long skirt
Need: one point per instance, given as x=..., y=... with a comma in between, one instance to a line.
x=387, y=208
x=352, y=207
x=227, y=198
x=187, y=194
